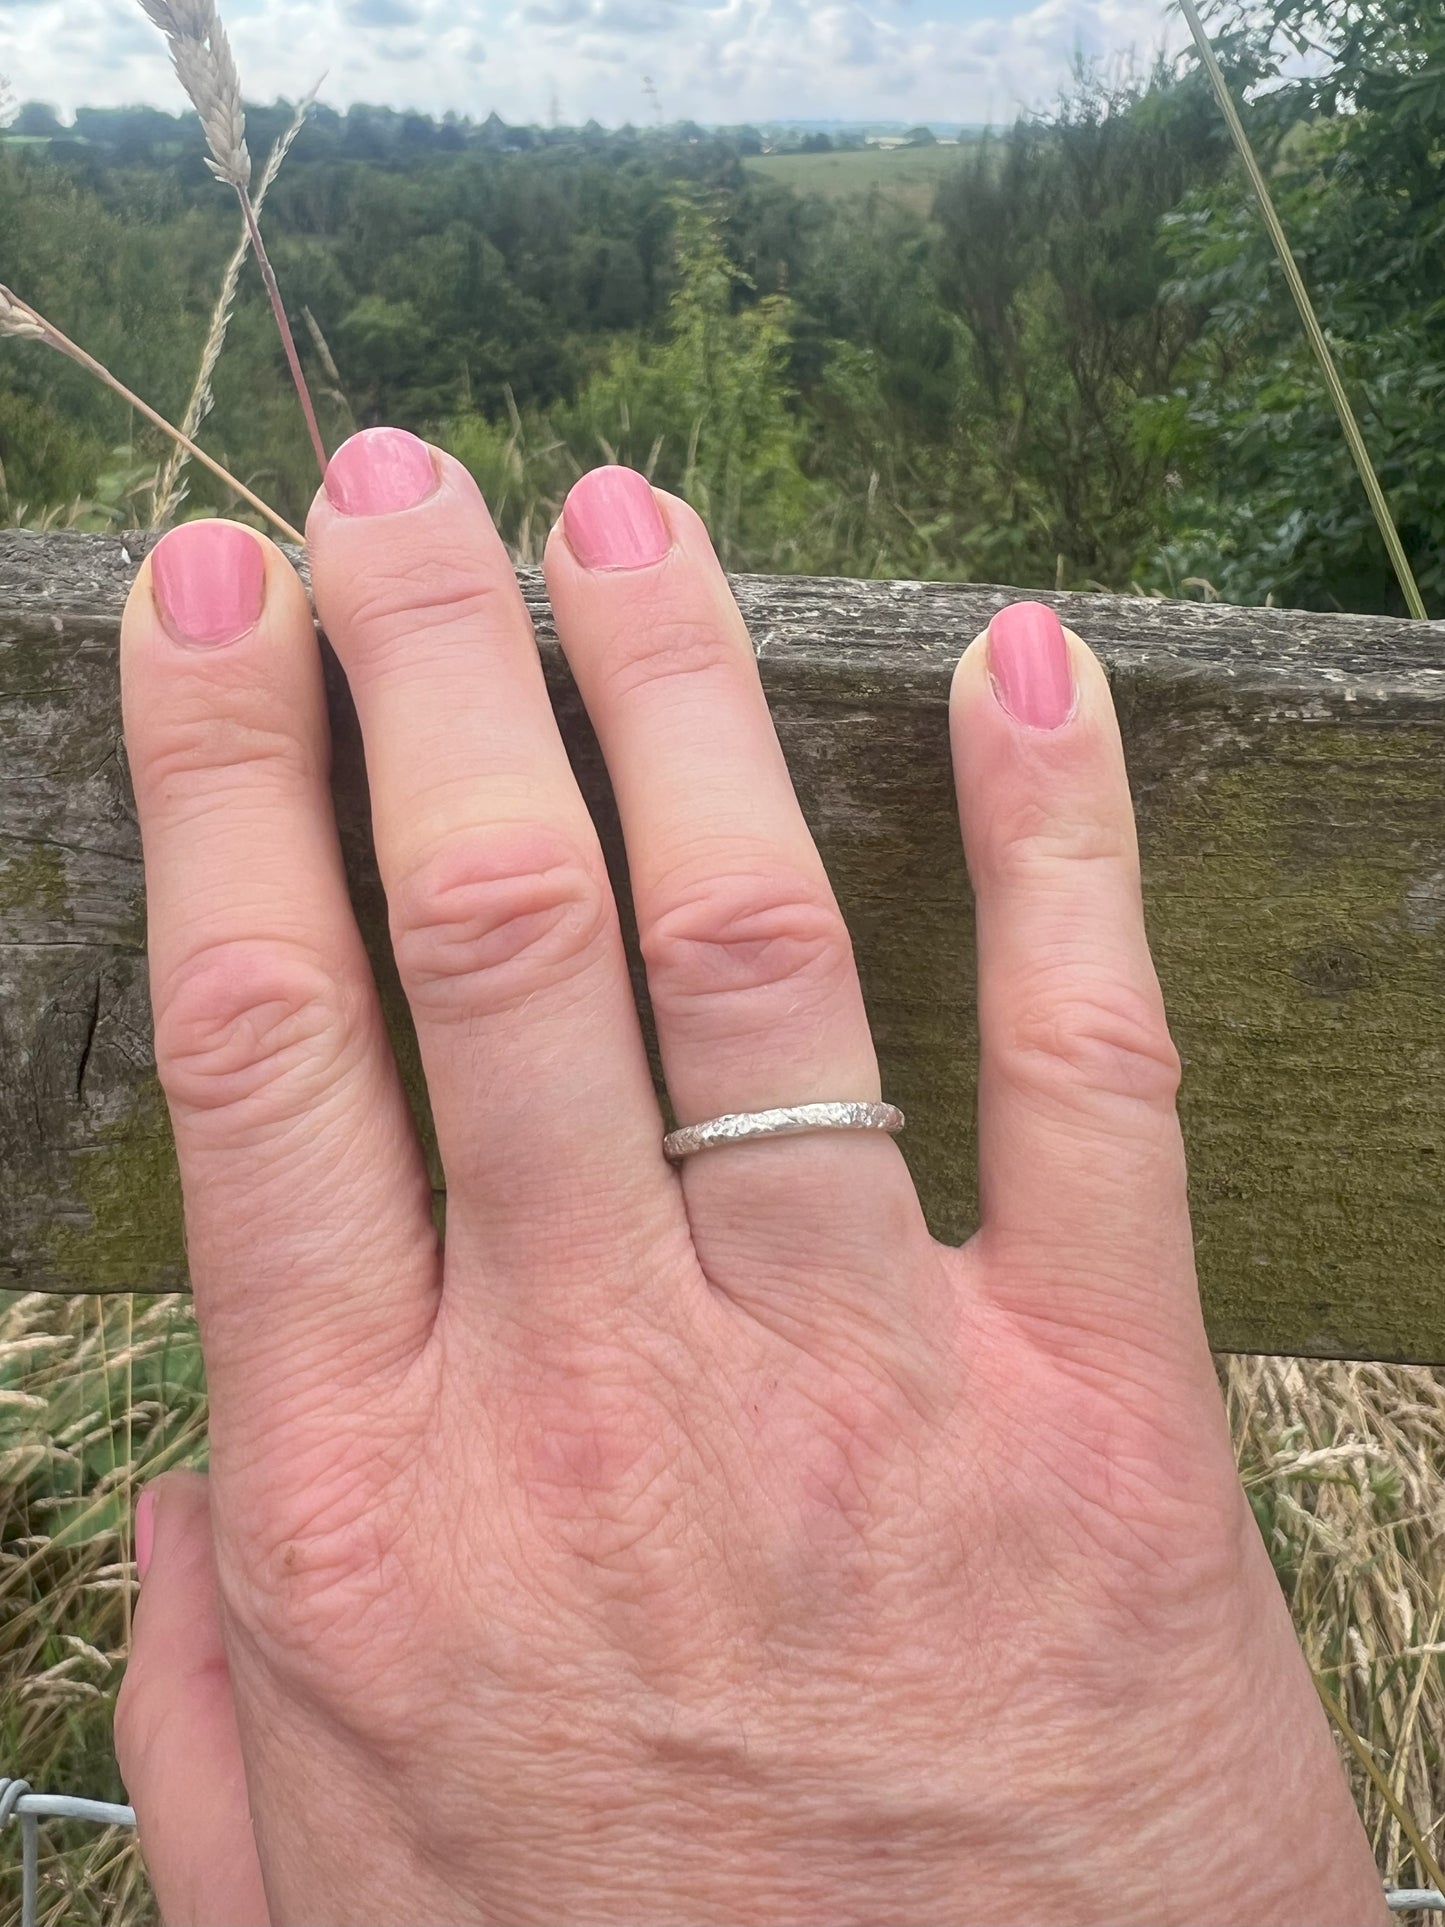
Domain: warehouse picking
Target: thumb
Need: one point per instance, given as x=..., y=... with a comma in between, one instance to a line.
x=175, y=1722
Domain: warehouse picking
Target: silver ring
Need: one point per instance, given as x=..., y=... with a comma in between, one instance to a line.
x=790, y=1121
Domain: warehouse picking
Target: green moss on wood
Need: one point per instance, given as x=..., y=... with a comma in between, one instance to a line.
x=129, y=1189
x=1313, y=1106
x=33, y=882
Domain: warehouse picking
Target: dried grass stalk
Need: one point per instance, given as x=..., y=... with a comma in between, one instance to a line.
x=206, y=68
x=168, y=496
x=288, y=340
x=328, y=360
x=22, y=322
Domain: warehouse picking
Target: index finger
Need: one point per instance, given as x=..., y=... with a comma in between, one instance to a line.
x=308, y=1208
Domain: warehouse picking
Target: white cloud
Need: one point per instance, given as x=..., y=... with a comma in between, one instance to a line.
x=966, y=60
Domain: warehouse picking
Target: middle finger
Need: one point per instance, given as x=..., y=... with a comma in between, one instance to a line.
x=503, y=924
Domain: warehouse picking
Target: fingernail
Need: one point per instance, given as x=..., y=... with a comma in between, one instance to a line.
x=380, y=472
x=612, y=521
x=1028, y=660
x=145, y=1531
x=209, y=581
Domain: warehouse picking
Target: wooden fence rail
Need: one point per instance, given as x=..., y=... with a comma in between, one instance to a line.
x=1289, y=777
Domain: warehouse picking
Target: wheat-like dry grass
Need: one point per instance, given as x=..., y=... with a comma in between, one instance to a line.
x=96, y=1395
x=169, y=495
x=206, y=68
x=17, y=320
x=1344, y=1465
x=23, y=323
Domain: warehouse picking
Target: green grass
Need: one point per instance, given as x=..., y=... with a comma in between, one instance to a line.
x=908, y=175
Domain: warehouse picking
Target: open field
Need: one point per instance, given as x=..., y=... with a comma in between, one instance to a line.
x=909, y=175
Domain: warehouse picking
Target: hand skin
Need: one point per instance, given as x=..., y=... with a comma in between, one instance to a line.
x=675, y=1545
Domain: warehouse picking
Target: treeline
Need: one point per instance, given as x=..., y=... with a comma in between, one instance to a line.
x=367, y=133
x=149, y=136
x=1082, y=367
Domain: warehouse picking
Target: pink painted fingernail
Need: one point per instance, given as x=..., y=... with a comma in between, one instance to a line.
x=612, y=521
x=380, y=472
x=209, y=581
x=145, y=1531
x=1028, y=660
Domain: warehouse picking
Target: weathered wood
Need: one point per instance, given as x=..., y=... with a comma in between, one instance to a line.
x=1289, y=776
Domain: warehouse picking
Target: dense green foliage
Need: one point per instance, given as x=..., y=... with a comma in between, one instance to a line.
x=1356, y=155
x=1079, y=366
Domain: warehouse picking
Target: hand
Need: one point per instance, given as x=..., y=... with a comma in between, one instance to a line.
x=680, y=1545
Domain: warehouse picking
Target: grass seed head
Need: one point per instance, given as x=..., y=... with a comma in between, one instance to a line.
x=206, y=68
x=18, y=320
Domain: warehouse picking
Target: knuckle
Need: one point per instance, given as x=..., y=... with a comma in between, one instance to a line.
x=312, y=1584
x=221, y=746
x=1073, y=1040
x=1165, y=1526
x=736, y=939
x=494, y=915
x=1028, y=836
x=253, y=1024
x=669, y=647
x=598, y=1462
x=420, y=602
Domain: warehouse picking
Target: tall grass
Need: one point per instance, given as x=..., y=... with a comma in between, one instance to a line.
x=96, y=1396
x=1343, y=1464
x=1309, y=320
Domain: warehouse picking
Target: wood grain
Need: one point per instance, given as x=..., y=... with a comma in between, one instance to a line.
x=1289, y=778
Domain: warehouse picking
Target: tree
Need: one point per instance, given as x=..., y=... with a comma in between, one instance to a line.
x=1051, y=257
x=1353, y=148
x=709, y=411
x=37, y=120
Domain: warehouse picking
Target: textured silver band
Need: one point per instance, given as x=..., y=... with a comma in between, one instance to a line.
x=789, y=1121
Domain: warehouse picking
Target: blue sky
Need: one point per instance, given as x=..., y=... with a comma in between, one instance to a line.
x=710, y=60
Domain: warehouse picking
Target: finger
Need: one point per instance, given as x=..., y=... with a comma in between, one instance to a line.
x=1081, y=1164
x=308, y=1218
x=175, y=1722
x=749, y=966
x=503, y=924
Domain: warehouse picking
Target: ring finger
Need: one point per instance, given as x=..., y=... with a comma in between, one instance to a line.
x=749, y=965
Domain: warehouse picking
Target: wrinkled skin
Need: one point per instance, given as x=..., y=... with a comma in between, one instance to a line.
x=699, y=1544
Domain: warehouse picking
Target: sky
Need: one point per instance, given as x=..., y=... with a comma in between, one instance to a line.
x=609, y=60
